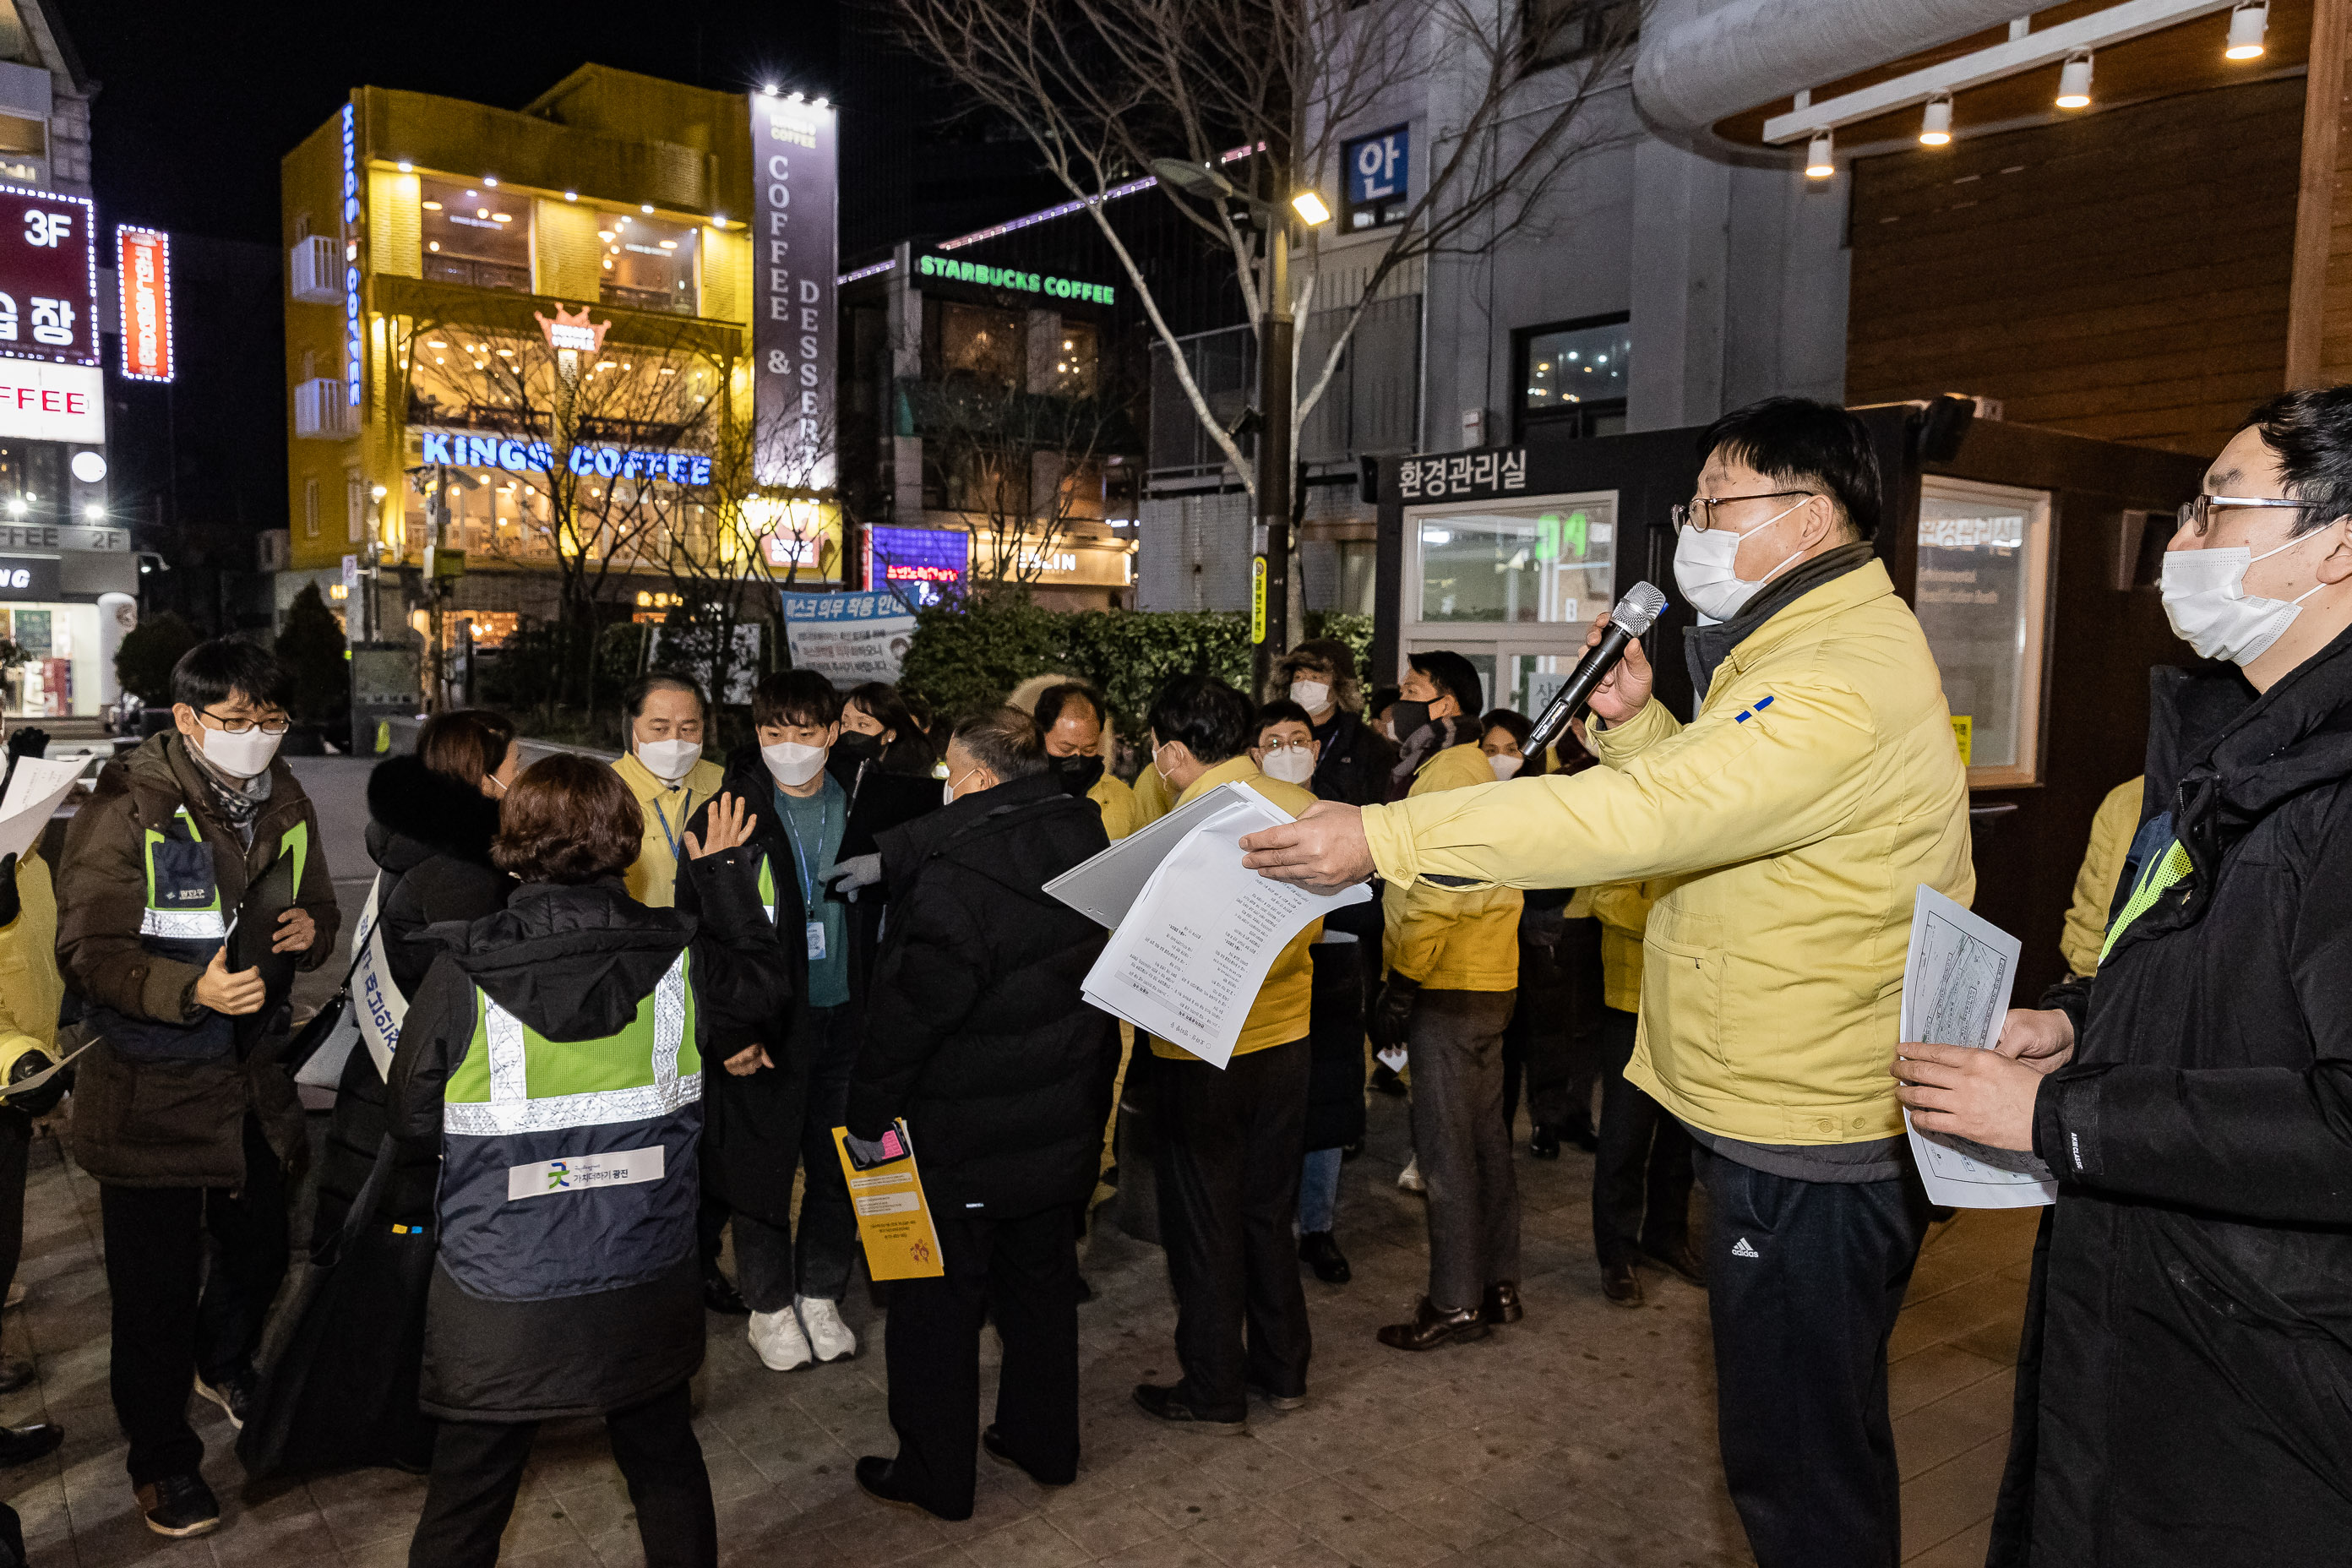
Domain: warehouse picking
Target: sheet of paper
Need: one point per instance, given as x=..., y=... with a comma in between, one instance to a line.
x=1956, y=985
x=35, y=791
x=1105, y=886
x=1196, y=945
x=28, y=1085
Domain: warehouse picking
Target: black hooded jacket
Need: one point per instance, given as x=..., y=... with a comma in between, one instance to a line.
x=975, y=1031
x=2185, y=1381
x=429, y=836
x=573, y=964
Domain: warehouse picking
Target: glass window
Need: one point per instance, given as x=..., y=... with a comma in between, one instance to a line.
x=982, y=344
x=1982, y=601
x=1073, y=360
x=1574, y=372
x=649, y=266
x=477, y=236
x=1539, y=562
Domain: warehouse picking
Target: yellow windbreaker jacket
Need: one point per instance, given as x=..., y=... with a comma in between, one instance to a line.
x=1448, y=940
x=1818, y=788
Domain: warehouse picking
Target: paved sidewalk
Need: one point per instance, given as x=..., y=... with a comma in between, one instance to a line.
x=1583, y=1437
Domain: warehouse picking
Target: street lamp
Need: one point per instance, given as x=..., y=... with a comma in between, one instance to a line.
x=1270, y=540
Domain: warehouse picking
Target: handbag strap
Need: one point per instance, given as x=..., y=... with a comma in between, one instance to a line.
x=371, y=1193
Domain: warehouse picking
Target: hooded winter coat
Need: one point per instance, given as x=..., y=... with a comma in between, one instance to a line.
x=975, y=1031
x=575, y=963
x=2184, y=1391
x=177, y=1122
x=430, y=839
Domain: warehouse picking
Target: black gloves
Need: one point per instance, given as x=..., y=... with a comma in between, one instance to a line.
x=1395, y=1014
x=28, y=743
x=11, y=905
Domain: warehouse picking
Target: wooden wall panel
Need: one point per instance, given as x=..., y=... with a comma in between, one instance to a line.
x=2122, y=276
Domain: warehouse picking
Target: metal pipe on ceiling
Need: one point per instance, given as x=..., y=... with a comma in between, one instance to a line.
x=1692, y=69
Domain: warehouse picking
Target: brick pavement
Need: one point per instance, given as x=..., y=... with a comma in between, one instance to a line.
x=1583, y=1437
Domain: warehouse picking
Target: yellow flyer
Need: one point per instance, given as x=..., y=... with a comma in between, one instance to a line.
x=893, y=1219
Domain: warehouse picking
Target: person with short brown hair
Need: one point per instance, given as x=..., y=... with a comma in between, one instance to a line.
x=555, y=1054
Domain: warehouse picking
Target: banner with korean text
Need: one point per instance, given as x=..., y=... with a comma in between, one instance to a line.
x=848, y=638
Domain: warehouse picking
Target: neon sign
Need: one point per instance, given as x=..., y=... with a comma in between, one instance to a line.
x=352, y=358
x=691, y=468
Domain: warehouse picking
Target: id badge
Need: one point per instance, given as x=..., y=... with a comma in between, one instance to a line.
x=816, y=939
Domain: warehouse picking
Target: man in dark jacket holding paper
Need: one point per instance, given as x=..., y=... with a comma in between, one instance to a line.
x=2182, y=1382
x=977, y=1036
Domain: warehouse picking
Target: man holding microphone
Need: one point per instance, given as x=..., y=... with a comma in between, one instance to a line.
x=1816, y=789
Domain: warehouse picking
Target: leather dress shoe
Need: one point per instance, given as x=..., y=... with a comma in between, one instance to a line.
x=1501, y=1303
x=1162, y=1400
x=1581, y=1132
x=719, y=1295
x=878, y=1479
x=21, y=1444
x=1543, y=1144
x=992, y=1440
x=1680, y=1261
x=1621, y=1284
x=1432, y=1326
x=1318, y=1248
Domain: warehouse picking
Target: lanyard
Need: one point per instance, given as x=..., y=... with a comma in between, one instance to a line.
x=800, y=859
x=676, y=841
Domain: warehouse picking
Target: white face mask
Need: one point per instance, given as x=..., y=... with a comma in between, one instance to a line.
x=1705, y=569
x=2205, y=599
x=1505, y=765
x=240, y=756
x=1312, y=695
x=790, y=764
x=947, y=789
x=668, y=760
x=1289, y=763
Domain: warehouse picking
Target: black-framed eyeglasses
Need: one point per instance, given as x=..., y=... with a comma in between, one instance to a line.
x=2196, y=515
x=1699, y=510
x=276, y=726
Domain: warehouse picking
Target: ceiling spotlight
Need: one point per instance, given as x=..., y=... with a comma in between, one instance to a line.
x=770, y=88
x=2074, y=81
x=489, y=179
x=647, y=207
x=2246, y=26
x=571, y=195
x=795, y=98
x=405, y=167
x=1818, y=152
x=1936, y=124
x=820, y=103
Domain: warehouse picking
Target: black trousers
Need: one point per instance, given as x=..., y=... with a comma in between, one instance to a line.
x=173, y=1317
x=1803, y=1282
x=1641, y=1176
x=15, y=1154
x=1022, y=1275
x=478, y=1470
x=1227, y=1162
x=826, y=1246
x=1553, y=1037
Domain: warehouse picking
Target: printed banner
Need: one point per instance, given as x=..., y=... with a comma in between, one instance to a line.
x=794, y=259
x=848, y=638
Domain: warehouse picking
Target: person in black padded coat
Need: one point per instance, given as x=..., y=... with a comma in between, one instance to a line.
x=976, y=1033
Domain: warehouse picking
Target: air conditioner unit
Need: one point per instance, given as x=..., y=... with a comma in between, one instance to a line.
x=315, y=270
x=274, y=549
x=322, y=410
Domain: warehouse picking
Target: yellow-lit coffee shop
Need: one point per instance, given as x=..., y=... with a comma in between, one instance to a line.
x=542, y=316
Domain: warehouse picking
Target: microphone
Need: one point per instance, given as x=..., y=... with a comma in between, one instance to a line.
x=1633, y=615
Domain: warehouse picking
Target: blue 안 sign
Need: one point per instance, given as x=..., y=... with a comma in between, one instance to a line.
x=537, y=457
x=1379, y=167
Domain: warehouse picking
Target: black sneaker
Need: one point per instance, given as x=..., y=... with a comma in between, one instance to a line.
x=234, y=1393
x=180, y=1505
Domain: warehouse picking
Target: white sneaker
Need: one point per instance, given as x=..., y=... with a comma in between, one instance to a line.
x=777, y=1336
x=828, y=1336
x=1410, y=1177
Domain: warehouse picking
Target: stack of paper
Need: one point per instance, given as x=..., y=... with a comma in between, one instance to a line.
x=34, y=790
x=1956, y=983
x=1191, y=950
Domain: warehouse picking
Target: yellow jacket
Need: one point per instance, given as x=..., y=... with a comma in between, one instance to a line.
x=1623, y=910
x=652, y=877
x=1449, y=941
x=2112, y=829
x=1151, y=802
x=1117, y=802
x=1818, y=788
x=1279, y=1014
x=30, y=986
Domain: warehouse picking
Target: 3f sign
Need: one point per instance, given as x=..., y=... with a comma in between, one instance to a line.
x=47, y=230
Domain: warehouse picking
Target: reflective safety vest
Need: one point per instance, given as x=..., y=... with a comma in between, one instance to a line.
x=184, y=921
x=568, y=1166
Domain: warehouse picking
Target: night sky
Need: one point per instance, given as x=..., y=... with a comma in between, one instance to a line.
x=194, y=112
